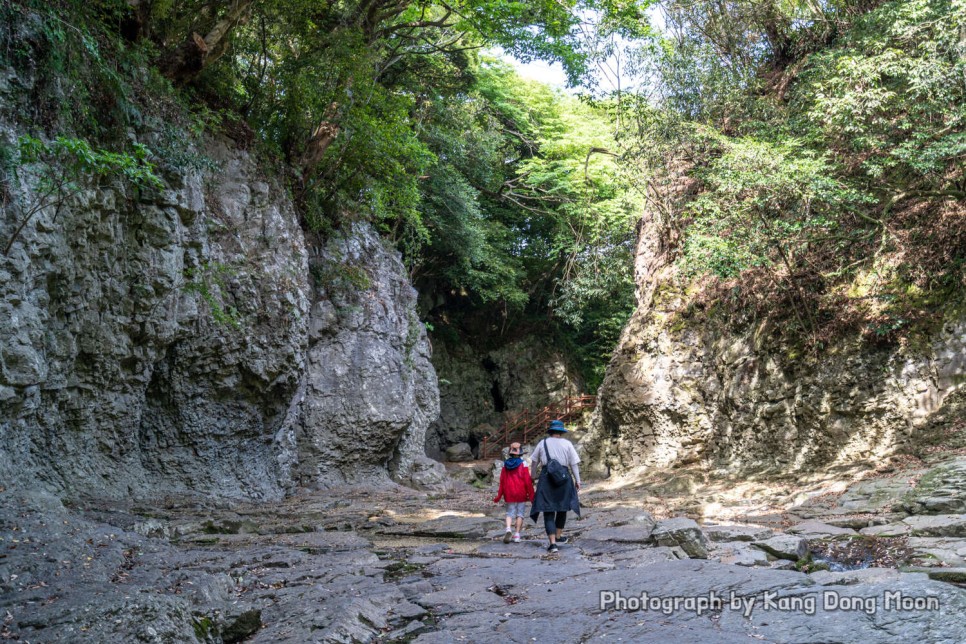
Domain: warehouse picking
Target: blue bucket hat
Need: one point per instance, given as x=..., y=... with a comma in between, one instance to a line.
x=557, y=426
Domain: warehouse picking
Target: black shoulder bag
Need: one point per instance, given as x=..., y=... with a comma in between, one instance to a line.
x=556, y=472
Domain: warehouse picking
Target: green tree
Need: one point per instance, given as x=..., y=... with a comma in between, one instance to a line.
x=807, y=128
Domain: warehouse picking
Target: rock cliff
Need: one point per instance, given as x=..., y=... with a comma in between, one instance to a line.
x=370, y=389
x=685, y=386
x=177, y=341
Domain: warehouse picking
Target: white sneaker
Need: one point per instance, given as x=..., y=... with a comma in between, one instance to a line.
x=507, y=536
x=516, y=538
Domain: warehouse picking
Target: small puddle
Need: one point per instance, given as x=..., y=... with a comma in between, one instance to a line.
x=849, y=552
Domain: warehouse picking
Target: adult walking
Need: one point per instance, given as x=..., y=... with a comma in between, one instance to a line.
x=555, y=498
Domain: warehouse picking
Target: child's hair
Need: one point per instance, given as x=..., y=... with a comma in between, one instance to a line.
x=515, y=448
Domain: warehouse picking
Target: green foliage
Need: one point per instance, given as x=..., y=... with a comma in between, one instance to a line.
x=58, y=170
x=892, y=93
x=764, y=203
x=823, y=143
x=209, y=282
x=86, y=80
x=76, y=160
x=202, y=627
x=365, y=72
x=524, y=208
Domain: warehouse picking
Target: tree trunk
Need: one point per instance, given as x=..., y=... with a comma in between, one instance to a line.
x=187, y=60
x=322, y=138
x=134, y=23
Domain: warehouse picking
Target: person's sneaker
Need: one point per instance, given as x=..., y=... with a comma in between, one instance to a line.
x=507, y=536
x=552, y=548
x=563, y=539
x=516, y=538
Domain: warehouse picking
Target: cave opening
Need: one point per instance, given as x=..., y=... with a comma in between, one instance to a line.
x=474, y=444
x=498, y=403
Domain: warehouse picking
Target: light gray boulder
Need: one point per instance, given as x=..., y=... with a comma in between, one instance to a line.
x=784, y=546
x=683, y=533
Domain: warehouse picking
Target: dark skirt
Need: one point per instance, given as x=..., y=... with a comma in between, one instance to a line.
x=550, y=498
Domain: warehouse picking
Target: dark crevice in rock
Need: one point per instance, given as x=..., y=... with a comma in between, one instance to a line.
x=498, y=405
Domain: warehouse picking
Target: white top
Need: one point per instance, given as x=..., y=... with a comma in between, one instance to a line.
x=562, y=450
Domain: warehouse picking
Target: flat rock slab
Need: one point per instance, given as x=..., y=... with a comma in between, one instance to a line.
x=629, y=533
x=740, y=553
x=815, y=529
x=872, y=495
x=939, y=551
x=937, y=525
x=610, y=517
x=594, y=548
x=646, y=556
x=723, y=533
x=447, y=527
x=528, y=548
x=898, y=610
x=940, y=490
x=312, y=542
x=769, y=605
x=863, y=575
x=69, y=579
x=887, y=530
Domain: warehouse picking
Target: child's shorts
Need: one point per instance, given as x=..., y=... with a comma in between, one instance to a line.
x=514, y=510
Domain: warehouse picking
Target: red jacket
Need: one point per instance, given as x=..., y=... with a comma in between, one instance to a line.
x=516, y=486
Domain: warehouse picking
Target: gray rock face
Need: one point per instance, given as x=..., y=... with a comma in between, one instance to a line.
x=178, y=342
x=117, y=378
x=370, y=390
x=683, y=387
x=459, y=453
x=465, y=397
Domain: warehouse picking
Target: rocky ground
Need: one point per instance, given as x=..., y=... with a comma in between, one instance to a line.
x=686, y=556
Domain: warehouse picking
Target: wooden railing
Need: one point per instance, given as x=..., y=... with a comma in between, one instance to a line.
x=522, y=425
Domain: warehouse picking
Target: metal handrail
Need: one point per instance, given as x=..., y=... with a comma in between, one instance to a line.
x=531, y=421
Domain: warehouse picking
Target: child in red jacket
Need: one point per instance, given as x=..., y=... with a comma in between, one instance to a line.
x=516, y=488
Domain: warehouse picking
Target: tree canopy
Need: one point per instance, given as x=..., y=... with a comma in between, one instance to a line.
x=828, y=145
